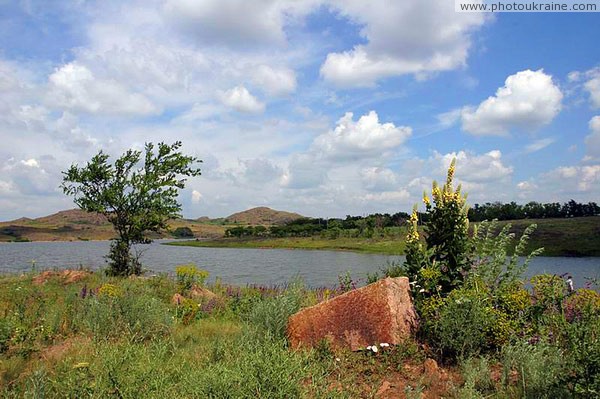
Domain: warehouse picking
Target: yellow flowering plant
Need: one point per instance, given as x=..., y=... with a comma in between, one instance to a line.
x=439, y=262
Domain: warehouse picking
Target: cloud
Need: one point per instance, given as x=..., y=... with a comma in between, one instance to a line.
x=387, y=196
x=366, y=137
x=260, y=171
x=473, y=168
x=196, y=196
x=240, y=99
x=526, y=186
x=304, y=171
x=528, y=100
x=592, y=86
x=275, y=81
x=379, y=179
x=74, y=86
x=538, y=145
x=233, y=23
x=402, y=37
x=592, y=141
x=571, y=180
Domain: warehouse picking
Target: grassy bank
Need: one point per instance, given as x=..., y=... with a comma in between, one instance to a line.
x=85, y=335
x=78, y=334
x=382, y=246
x=559, y=237
x=563, y=237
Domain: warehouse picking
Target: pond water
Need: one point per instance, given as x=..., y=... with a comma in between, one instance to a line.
x=246, y=266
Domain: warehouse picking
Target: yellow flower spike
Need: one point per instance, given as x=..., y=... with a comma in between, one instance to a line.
x=451, y=170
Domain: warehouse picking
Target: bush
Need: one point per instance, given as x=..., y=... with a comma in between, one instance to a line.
x=272, y=313
x=188, y=276
x=535, y=370
x=548, y=291
x=5, y=334
x=478, y=379
x=183, y=232
x=460, y=324
x=139, y=317
x=492, y=264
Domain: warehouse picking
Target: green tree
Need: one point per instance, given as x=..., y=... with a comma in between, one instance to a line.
x=137, y=194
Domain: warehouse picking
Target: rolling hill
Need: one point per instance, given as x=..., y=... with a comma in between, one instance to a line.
x=262, y=216
x=75, y=224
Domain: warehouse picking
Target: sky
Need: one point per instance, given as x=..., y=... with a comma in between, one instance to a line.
x=321, y=107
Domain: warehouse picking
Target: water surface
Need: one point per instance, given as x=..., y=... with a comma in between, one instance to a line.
x=245, y=266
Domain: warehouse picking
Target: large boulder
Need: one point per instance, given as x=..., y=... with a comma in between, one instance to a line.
x=380, y=312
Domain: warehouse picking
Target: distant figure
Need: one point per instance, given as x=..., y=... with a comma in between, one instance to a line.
x=570, y=284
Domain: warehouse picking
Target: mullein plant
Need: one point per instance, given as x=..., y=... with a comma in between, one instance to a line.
x=440, y=262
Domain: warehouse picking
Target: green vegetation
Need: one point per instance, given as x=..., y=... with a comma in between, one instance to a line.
x=558, y=237
x=532, y=210
x=382, y=246
x=136, y=199
x=474, y=310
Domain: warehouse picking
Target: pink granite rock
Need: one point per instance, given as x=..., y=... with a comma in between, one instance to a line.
x=380, y=312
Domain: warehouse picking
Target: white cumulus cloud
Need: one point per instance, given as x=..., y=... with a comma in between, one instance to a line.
x=528, y=100
x=592, y=141
x=366, y=137
x=240, y=99
x=74, y=86
x=475, y=168
x=403, y=37
x=379, y=179
x=196, y=196
x=275, y=81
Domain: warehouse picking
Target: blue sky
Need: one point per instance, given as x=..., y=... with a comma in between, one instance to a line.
x=323, y=107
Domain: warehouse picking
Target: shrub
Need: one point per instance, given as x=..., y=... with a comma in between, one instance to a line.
x=492, y=263
x=461, y=325
x=548, y=290
x=183, y=232
x=5, y=333
x=188, y=275
x=581, y=340
x=478, y=379
x=535, y=370
x=583, y=303
x=272, y=313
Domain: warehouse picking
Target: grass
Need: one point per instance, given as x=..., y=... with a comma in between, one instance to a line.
x=559, y=237
x=563, y=237
x=94, y=336
x=382, y=246
x=124, y=338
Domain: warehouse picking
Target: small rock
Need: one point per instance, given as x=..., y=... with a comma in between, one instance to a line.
x=385, y=386
x=201, y=293
x=431, y=368
x=177, y=299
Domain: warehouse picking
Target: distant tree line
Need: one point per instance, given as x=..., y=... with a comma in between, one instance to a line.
x=377, y=224
x=389, y=225
x=532, y=210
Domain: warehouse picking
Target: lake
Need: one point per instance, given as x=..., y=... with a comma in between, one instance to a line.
x=246, y=266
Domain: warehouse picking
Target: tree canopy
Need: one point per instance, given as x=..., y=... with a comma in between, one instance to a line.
x=137, y=194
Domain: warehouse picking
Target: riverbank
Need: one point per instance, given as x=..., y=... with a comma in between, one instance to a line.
x=80, y=334
x=559, y=237
x=374, y=246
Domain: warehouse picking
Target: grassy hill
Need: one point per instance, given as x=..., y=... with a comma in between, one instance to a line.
x=74, y=224
x=262, y=216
